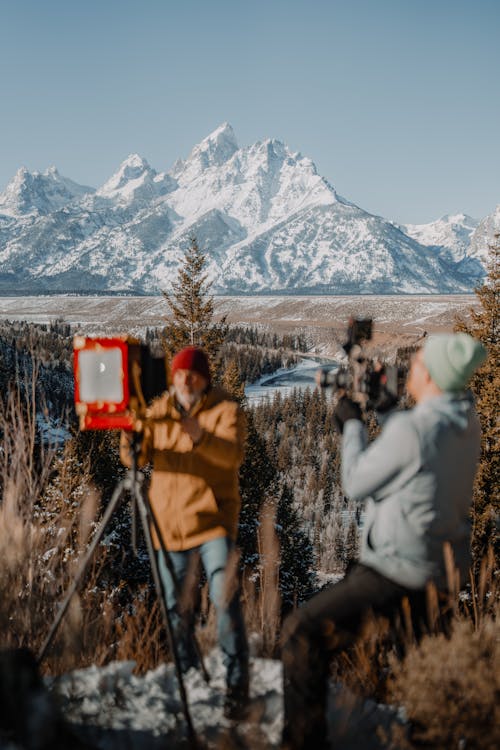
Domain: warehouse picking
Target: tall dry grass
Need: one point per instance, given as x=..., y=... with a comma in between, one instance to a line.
x=48, y=510
x=261, y=598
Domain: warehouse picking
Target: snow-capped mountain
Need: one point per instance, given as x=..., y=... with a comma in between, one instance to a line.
x=136, y=180
x=451, y=236
x=265, y=218
x=484, y=236
x=34, y=193
x=451, y=232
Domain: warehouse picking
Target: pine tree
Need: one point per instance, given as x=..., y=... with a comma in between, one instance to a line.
x=231, y=381
x=351, y=545
x=296, y=559
x=485, y=326
x=100, y=449
x=192, y=308
x=256, y=475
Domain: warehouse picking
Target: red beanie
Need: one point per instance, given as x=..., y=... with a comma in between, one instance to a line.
x=191, y=358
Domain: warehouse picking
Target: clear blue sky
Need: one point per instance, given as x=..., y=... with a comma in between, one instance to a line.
x=396, y=101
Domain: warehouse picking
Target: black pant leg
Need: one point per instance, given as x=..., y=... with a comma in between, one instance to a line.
x=325, y=625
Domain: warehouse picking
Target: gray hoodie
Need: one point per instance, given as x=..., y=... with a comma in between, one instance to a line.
x=417, y=477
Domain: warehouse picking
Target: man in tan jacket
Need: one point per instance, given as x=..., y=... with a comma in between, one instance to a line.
x=194, y=436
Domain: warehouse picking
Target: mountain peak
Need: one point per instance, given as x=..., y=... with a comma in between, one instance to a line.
x=21, y=173
x=459, y=218
x=223, y=135
x=132, y=166
x=24, y=176
x=485, y=235
x=37, y=193
x=216, y=148
x=133, y=169
x=136, y=180
x=135, y=161
x=213, y=151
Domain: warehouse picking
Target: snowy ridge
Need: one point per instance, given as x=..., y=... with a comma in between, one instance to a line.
x=134, y=180
x=451, y=232
x=267, y=221
x=484, y=235
x=36, y=193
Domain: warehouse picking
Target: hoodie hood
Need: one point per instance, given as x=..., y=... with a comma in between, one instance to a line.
x=456, y=409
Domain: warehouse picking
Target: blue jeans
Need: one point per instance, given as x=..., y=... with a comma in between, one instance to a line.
x=214, y=555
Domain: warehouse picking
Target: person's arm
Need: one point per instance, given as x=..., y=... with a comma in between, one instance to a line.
x=225, y=446
x=367, y=468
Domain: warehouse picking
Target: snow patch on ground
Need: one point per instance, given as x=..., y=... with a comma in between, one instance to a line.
x=114, y=709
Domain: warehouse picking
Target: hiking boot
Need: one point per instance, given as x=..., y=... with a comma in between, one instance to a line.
x=236, y=703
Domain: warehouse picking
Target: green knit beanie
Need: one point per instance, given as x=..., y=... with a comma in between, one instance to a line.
x=451, y=359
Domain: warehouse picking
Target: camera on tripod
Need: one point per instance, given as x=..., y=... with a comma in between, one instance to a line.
x=370, y=382
x=115, y=380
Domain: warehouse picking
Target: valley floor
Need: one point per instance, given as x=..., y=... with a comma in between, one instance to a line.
x=399, y=320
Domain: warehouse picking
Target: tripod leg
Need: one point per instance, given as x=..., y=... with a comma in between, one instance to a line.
x=171, y=570
x=114, y=503
x=139, y=499
x=133, y=513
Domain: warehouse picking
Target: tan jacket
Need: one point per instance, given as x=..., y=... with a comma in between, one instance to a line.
x=194, y=490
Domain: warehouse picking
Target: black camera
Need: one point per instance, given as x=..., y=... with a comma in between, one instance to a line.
x=115, y=380
x=350, y=379
x=358, y=330
x=373, y=384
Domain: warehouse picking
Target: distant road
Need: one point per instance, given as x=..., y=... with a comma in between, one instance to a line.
x=398, y=319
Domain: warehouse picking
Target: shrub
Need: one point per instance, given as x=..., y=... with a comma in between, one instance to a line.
x=450, y=688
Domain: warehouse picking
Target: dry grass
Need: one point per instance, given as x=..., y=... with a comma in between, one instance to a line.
x=260, y=591
x=34, y=540
x=450, y=687
x=140, y=635
x=450, y=684
x=47, y=516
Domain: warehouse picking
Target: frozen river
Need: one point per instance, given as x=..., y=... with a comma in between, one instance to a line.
x=285, y=381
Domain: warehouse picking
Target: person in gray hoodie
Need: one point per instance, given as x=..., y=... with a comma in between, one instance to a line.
x=416, y=479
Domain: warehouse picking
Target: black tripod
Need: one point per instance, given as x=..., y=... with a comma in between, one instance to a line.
x=132, y=484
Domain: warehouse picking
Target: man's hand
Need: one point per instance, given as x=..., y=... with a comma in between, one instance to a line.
x=346, y=409
x=193, y=429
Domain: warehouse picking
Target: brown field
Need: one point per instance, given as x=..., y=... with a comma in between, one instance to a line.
x=398, y=320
